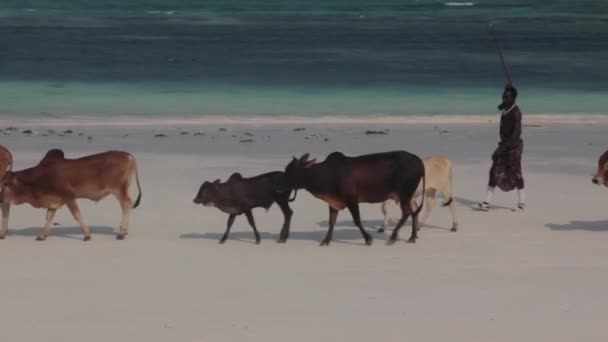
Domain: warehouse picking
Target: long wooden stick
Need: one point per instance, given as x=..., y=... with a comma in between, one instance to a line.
x=502, y=59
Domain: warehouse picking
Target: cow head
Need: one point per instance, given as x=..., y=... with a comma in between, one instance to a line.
x=601, y=175
x=206, y=193
x=295, y=173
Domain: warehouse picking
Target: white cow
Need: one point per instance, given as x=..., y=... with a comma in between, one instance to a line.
x=438, y=174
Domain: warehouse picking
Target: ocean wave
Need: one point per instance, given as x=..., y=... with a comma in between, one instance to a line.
x=161, y=12
x=44, y=121
x=460, y=4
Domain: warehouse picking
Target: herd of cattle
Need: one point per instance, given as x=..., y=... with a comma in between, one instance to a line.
x=341, y=181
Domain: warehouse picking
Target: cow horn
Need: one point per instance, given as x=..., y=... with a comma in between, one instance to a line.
x=304, y=157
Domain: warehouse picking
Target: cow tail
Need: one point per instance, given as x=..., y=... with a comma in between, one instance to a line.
x=423, y=194
x=451, y=198
x=138, y=200
x=294, y=196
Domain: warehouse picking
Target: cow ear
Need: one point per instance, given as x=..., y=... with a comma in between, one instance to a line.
x=304, y=157
x=310, y=163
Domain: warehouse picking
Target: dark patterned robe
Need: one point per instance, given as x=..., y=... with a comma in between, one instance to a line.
x=506, y=167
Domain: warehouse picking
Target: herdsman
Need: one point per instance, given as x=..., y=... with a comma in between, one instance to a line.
x=505, y=172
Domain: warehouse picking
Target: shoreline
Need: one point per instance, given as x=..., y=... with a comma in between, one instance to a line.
x=101, y=121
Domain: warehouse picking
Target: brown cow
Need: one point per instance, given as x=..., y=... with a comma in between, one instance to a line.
x=344, y=182
x=6, y=164
x=56, y=181
x=601, y=175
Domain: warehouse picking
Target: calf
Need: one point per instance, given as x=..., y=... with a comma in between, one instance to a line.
x=438, y=174
x=344, y=182
x=6, y=164
x=56, y=181
x=601, y=175
x=240, y=195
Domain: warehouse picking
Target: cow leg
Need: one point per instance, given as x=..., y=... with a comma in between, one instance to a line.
x=354, y=211
x=126, y=204
x=287, y=212
x=50, y=213
x=228, y=227
x=333, y=215
x=385, y=215
x=252, y=224
x=405, y=213
x=454, y=217
x=73, y=206
x=6, y=206
x=429, y=204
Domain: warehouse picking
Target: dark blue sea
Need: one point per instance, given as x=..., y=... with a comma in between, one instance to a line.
x=299, y=57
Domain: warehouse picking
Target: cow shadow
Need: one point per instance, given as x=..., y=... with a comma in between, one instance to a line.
x=346, y=236
x=374, y=225
x=592, y=226
x=63, y=232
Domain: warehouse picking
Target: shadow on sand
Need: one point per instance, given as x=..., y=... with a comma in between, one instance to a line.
x=469, y=204
x=592, y=226
x=346, y=236
x=64, y=232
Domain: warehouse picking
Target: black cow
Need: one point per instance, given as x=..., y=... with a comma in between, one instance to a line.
x=344, y=182
x=240, y=195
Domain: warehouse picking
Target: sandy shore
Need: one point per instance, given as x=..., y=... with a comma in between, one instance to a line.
x=535, y=276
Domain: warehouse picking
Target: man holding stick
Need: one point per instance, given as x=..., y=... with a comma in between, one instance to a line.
x=505, y=172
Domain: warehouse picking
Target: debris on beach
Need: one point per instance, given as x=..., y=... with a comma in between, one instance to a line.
x=11, y=128
x=27, y=132
x=199, y=133
x=51, y=131
x=68, y=131
x=160, y=135
x=124, y=135
x=80, y=134
x=246, y=140
x=299, y=129
x=532, y=125
x=369, y=131
x=184, y=133
x=248, y=134
x=222, y=129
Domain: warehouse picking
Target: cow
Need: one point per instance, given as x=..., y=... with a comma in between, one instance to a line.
x=57, y=181
x=6, y=164
x=601, y=175
x=240, y=195
x=438, y=174
x=344, y=182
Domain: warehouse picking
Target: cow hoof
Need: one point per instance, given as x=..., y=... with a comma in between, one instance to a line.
x=369, y=242
x=391, y=242
x=86, y=238
x=381, y=230
x=411, y=240
x=324, y=243
x=281, y=240
x=454, y=229
x=2, y=237
x=120, y=237
x=41, y=238
x=257, y=242
x=222, y=241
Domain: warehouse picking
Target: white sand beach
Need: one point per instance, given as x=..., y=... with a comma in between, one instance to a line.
x=540, y=275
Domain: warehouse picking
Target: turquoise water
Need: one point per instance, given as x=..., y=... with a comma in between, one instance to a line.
x=309, y=58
